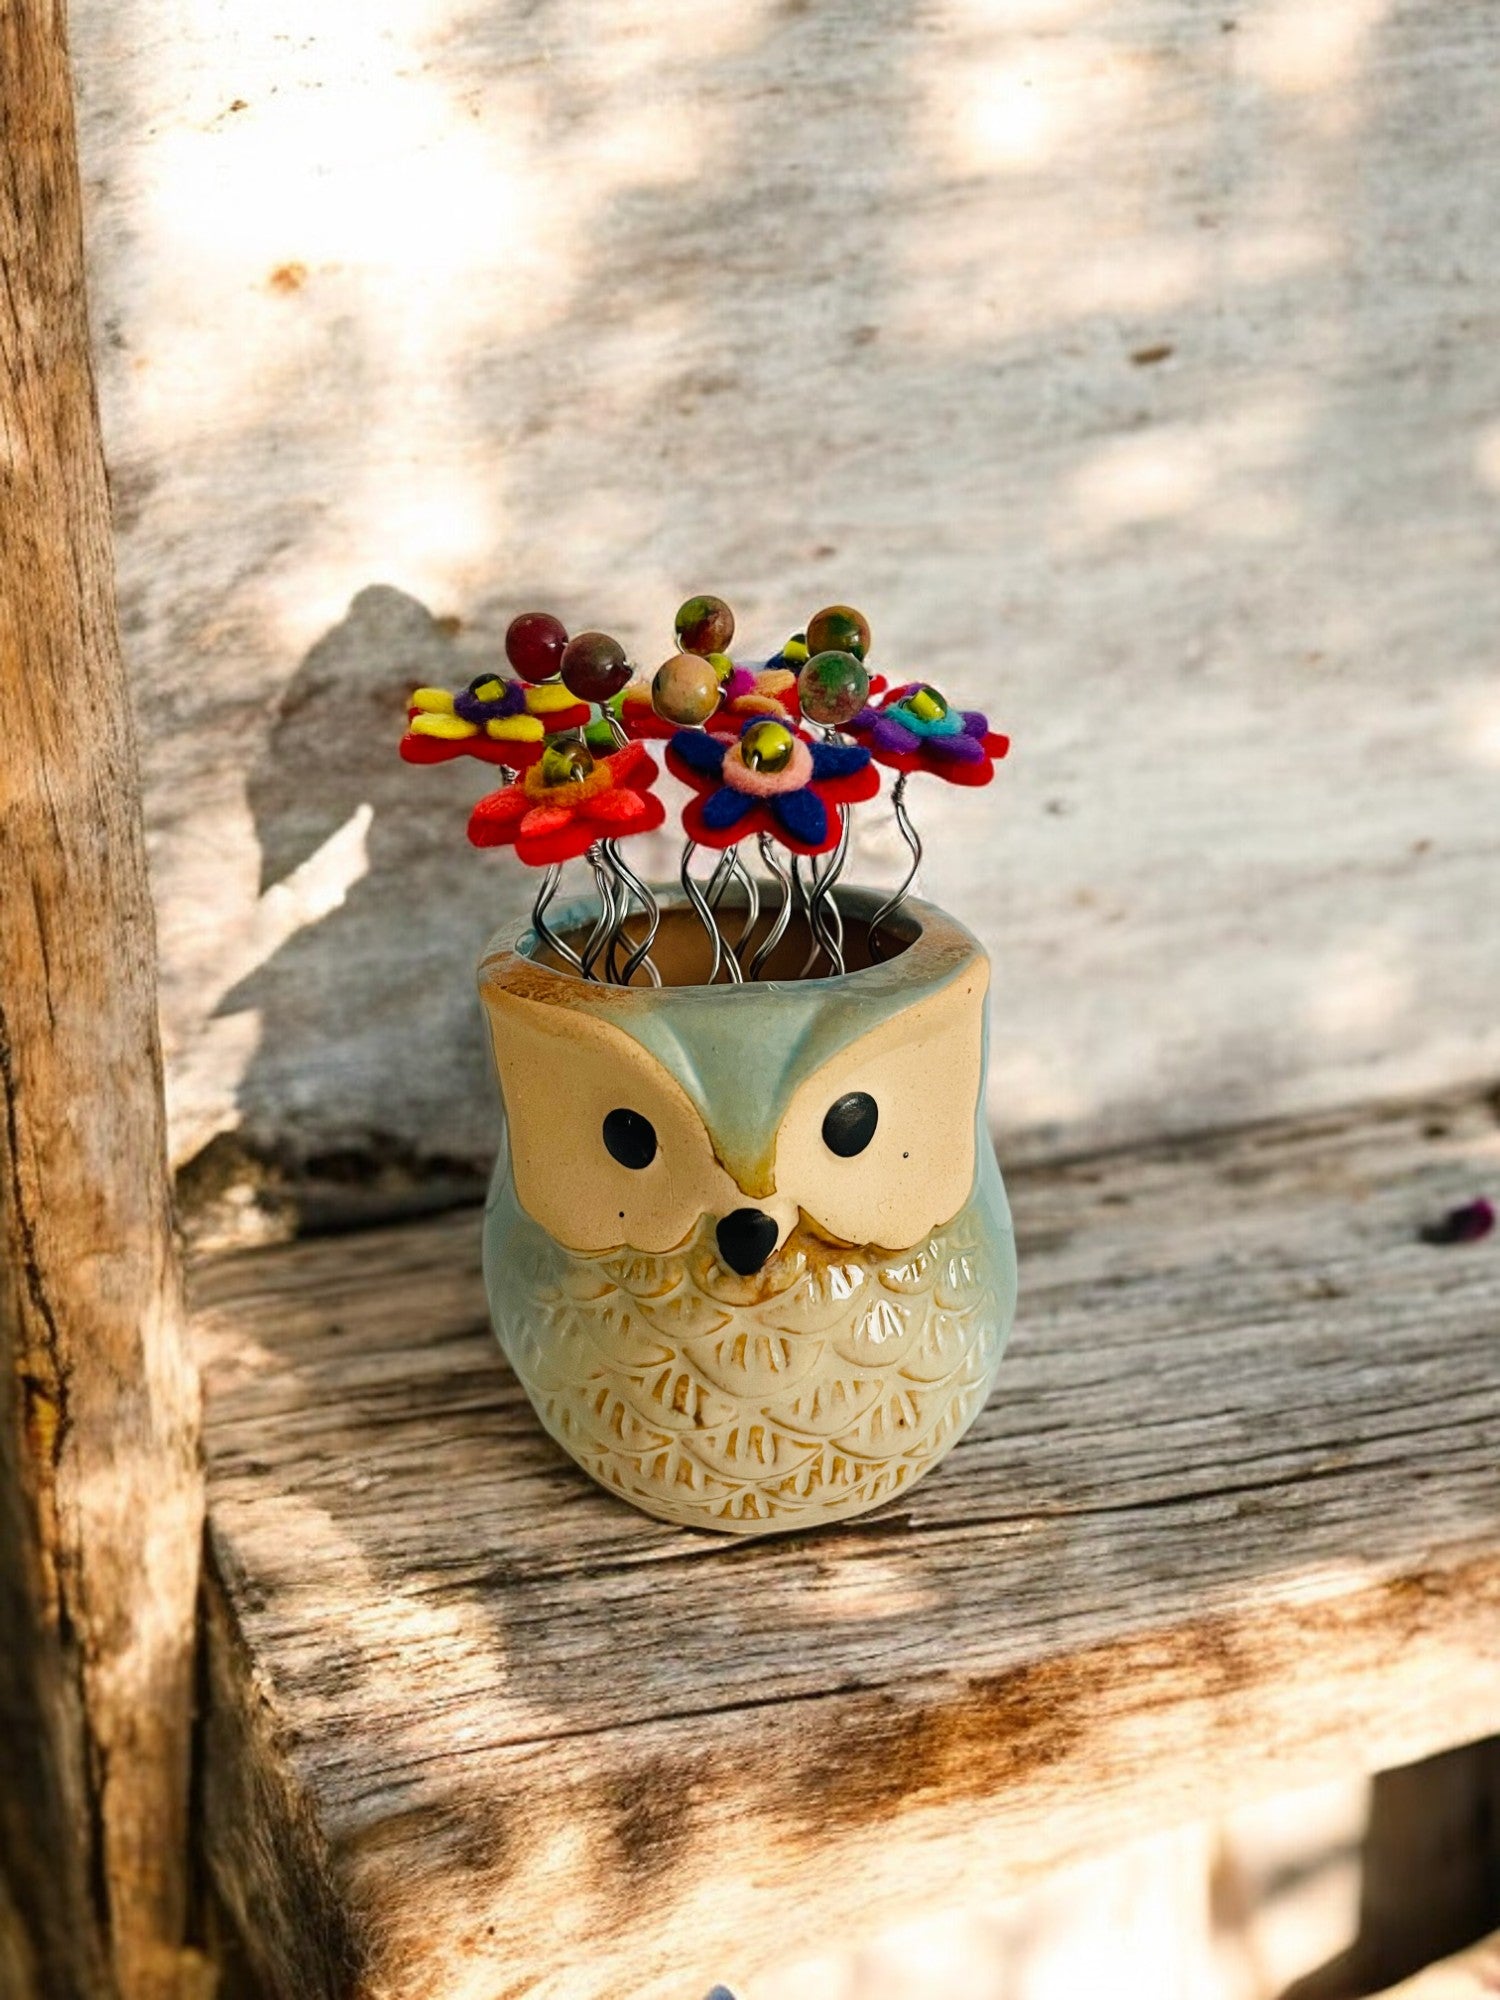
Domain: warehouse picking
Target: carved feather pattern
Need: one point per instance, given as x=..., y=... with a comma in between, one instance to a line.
x=826, y=1384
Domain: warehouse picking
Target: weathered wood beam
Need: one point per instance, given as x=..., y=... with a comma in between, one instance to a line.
x=100, y=1487
x=1229, y=1524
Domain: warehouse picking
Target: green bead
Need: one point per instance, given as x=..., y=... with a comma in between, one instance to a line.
x=685, y=690
x=567, y=762
x=832, y=687
x=704, y=625
x=925, y=703
x=722, y=665
x=839, y=629
x=767, y=746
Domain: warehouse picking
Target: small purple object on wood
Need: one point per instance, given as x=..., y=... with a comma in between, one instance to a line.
x=1467, y=1223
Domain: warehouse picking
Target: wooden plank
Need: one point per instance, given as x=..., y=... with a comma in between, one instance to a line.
x=100, y=1487
x=1231, y=1522
x=415, y=311
x=1430, y=1872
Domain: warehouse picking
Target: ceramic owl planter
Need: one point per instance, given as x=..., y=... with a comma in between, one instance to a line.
x=747, y=1247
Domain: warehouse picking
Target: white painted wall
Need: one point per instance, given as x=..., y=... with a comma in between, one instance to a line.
x=412, y=309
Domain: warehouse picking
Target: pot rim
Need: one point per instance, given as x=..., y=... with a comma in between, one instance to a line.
x=939, y=947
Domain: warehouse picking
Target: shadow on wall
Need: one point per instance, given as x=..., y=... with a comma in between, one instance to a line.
x=1122, y=361
x=373, y=871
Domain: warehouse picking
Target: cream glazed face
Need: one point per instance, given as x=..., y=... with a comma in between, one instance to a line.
x=875, y=1147
x=747, y=1247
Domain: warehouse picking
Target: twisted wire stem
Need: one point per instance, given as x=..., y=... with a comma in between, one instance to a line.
x=549, y=937
x=696, y=897
x=633, y=885
x=827, y=930
x=609, y=916
x=721, y=878
x=776, y=867
x=913, y=841
x=752, y=907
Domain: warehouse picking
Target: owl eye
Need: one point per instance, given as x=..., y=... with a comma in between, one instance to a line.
x=630, y=1138
x=849, y=1123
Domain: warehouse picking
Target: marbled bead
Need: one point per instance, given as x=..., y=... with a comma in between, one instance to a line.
x=685, y=690
x=832, y=688
x=839, y=628
x=704, y=625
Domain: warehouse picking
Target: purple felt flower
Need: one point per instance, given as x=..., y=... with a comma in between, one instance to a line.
x=958, y=745
x=474, y=708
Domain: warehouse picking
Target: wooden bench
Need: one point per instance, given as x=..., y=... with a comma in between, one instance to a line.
x=471, y=1729
x=1230, y=1523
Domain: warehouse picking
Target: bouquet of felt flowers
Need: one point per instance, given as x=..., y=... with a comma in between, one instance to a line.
x=776, y=755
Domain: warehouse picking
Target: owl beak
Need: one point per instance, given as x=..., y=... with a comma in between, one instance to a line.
x=746, y=1239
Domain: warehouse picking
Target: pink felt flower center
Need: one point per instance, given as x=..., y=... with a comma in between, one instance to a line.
x=768, y=784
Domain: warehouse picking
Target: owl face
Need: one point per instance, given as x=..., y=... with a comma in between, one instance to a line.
x=635, y=1116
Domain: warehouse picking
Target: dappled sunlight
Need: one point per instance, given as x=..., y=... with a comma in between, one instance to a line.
x=1135, y=277
x=1475, y=710
x=1032, y=1088
x=646, y=36
x=1295, y=49
x=1145, y=478
x=1229, y=1910
x=1363, y=993
x=866, y=1587
x=1071, y=341
x=312, y=891
x=1221, y=473
x=1487, y=458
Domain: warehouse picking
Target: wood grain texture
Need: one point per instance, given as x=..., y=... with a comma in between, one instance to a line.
x=100, y=1485
x=1228, y=1524
x=1134, y=363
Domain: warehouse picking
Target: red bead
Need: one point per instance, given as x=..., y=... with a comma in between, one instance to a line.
x=594, y=666
x=534, y=645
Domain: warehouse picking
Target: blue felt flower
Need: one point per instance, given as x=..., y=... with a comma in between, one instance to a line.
x=772, y=780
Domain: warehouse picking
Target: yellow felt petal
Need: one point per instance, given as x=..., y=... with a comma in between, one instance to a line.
x=450, y=727
x=548, y=699
x=516, y=729
x=433, y=701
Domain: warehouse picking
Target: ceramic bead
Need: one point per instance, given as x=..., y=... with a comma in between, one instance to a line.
x=832, y=687
x=839, y=629
x=685, y=690
x=594, y=666
x=704, y=625
x=534, y=645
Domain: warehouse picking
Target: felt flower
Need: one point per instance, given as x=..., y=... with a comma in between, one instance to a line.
x=496, y=720
x=745, y=692
x=912, y=728
x=567, y=801
x=769, y=779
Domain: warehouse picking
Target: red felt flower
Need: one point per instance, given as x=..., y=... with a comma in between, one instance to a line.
x=912, y=728
x=798, y=805
x=493, y=719
x=556, y=822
